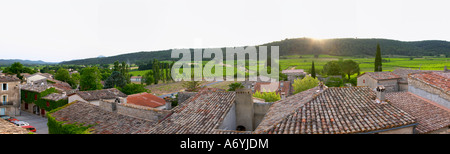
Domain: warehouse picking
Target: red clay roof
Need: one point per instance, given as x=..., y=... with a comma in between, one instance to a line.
x=145, y=99
x=438, y=79
x=429, y=115
x=382, y=75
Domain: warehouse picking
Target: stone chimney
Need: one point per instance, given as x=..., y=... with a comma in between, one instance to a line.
x=244, y=109
x=168, y=105
x=381, y=92
x=110, y=106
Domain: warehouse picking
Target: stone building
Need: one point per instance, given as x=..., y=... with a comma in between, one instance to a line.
x=94, y=96
x=9, y=95
x=282, y=88
x=372, y=79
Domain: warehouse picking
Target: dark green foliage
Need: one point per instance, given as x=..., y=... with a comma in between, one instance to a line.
x=378, y=61
x=115, y=80
x=350, y=67
x=334, y=82
x=148, y=78
x=132, y=88
x=234, y=86
x=90, y=79
x=62, y=75
x=332, y=68
x=42, y=103
x=313, y=71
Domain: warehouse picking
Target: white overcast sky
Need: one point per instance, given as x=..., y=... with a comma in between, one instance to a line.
x=59, y=30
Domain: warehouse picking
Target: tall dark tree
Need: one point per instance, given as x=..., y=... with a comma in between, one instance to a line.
x=90, y=79
x=378, y=64
x=313, y=70
x=115, y=80
x=156, y=72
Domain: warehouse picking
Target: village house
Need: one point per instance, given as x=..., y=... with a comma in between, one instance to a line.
x=9, y=95
x=94, y=96
x=372, y=79
x=282, y=88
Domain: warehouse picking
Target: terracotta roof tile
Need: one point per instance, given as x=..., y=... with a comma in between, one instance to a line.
x=145, y=99
x=430, y=117
x=440, y=80
x=104, y=122
x=334, y=111
x=101, y=94
x=382, y=75
x=200, y=114
x=9, y=78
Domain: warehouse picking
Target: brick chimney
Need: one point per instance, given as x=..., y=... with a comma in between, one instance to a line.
x=381, y=94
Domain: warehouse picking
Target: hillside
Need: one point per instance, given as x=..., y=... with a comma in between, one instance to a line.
x=300, y=46
x=7, y=62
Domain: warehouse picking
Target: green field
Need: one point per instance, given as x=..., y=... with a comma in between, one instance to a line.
x=365, y=64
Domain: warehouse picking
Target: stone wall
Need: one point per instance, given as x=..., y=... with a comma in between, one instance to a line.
x=147, y=113
x=429, y=92
x=183, y=96
x=260, y=110
x=390, y=85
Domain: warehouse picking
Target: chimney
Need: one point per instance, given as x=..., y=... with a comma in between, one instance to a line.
x=168, y=105
x=244, y=109
x=380, y=90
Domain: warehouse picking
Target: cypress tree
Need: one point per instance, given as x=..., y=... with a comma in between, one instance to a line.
x=313, y=71
x=378, y=65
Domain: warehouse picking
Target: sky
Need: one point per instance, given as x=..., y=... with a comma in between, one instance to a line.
x=61, y=30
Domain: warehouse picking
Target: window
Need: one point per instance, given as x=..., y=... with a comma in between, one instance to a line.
x=48, y=104
x=5, y=99
x=4, y=86
x=35, y=96
x=364, y=81
x=26, y=95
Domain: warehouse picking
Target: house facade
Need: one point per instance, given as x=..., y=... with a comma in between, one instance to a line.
x=372, y=79
x=9, y=95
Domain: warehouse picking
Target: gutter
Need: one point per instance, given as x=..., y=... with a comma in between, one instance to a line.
x=394, y=128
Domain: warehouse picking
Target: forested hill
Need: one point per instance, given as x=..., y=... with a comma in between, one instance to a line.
x=298, y=46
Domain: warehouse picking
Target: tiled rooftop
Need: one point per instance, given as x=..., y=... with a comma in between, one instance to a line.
x=9, y=128
x=145, y=99
x=333, y=111
x=382, y=75
x=439, y=80
x=55, y=97
x=104, y=122
x=430, y=117
x=101, y=94
x=200, y=114
x=8, y=78
x=35, y=88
